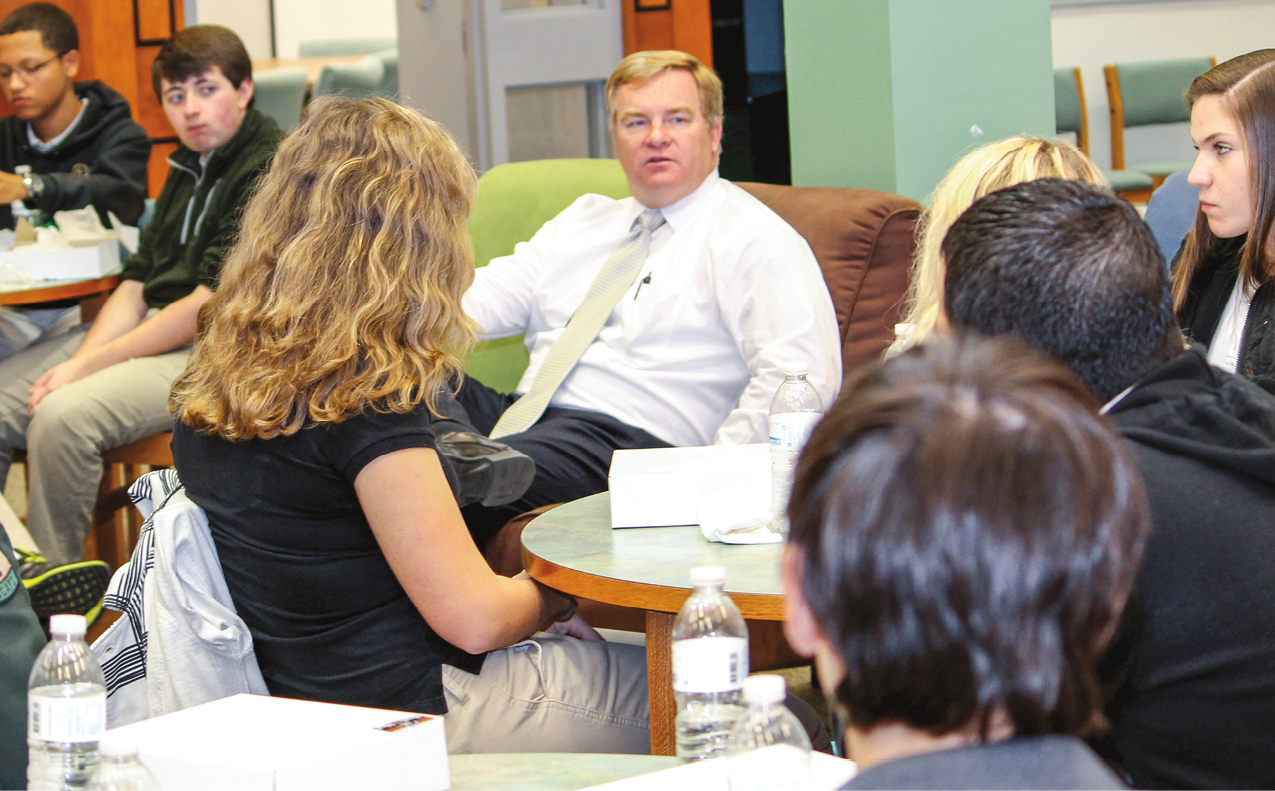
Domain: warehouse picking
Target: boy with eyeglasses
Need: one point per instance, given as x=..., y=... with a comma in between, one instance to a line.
x=78, y=140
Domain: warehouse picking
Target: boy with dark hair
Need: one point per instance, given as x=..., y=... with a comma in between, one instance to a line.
x=1074, y=271
x=68, y=399
x=78, y=140
x=965, y=532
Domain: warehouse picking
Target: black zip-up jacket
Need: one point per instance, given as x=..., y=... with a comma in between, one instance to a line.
x=1206, y=298
x=109, y=147
x=197, y=213
x=1192, y=671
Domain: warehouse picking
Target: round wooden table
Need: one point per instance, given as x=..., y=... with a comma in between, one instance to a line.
x=91, y=293
x=574, y=549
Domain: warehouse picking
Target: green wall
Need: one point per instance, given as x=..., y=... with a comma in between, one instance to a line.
x=883, y=93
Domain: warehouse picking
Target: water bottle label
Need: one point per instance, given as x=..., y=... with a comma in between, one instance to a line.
x=790, y=430
x=78, y=719
x=710, y=664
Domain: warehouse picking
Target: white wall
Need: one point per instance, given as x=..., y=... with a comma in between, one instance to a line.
x=306, y=20
x=249, y=18
x=1092, y=36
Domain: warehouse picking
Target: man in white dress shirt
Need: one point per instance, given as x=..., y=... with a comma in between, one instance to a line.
x=720, y=293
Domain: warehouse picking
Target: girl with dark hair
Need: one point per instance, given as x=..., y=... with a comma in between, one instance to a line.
x=1222, y=287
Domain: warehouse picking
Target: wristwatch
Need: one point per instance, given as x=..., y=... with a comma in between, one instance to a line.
x=34, y=185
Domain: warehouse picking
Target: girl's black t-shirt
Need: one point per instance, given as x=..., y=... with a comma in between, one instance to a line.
x=329, y=620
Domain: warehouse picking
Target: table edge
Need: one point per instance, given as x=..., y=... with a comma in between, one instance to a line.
x=645, y=596
x=80, y=288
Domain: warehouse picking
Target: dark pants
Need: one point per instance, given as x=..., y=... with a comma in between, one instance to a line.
x=571, y=447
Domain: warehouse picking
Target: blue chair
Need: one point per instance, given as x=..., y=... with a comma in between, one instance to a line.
x=280, y=94
x=345, y=46
x=1171, y=212
x=359, y=80
x=389, y=80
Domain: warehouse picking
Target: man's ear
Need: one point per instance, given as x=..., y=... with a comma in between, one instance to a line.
x=716, y=133
x=71, y=63
x=245, y=91
x=800, y=626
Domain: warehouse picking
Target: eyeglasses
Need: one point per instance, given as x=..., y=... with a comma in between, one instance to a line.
x=27, y=72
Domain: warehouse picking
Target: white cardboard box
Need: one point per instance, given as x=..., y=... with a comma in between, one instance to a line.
x=251, y=742
x=68, y=263
x=659, y=487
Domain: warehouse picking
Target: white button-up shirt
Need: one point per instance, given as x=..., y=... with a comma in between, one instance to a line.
x=692, y=353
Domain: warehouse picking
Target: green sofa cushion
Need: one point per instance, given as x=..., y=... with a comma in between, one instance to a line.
x=514, y=200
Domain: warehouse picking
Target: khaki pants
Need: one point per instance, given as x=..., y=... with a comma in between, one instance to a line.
x=71, y=428
x=551, y=694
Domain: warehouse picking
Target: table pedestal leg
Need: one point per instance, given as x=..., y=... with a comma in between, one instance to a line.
x=659, y=674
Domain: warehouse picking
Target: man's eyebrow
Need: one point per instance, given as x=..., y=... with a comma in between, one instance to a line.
x=683, y=109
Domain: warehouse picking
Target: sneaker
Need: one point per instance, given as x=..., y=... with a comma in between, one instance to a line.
x=489, y=472
x=73, y=588
x=30, y=564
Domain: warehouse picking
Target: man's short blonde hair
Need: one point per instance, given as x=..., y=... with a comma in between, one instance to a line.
x=642, y=66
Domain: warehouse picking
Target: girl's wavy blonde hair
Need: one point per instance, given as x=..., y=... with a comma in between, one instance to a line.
x=342, y=292
x=982, y=171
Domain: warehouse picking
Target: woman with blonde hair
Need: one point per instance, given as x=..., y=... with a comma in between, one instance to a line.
x=980, y=172
x=304, y=430
x=1223, y=289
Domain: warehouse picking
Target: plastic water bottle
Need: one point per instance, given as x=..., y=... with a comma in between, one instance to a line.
x=19, y=206
x=769, y=749
x=66, y=709
x=120, y=769
x=793, y=415
x=710, y=663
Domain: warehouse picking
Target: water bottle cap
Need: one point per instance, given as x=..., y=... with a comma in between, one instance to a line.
x=795, y=368
x=766, y=688
x=117, y=745
x=68, y=624
x=708, y=575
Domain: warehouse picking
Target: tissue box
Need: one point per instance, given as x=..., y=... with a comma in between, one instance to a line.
x=68, y=263
x=250, y=742
x=659, y=487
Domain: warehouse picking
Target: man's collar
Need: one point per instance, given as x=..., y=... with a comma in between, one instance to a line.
x=1119, y=396
x=683, y=211
x=39, y=145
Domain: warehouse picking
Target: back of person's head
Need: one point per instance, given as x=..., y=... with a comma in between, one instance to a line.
x=56, y=27
x=1072, y=269
x=642, y=66
x=194, y=50
x=983, y=170
x=967, y=530
x=1246, y=87
x=343, y=289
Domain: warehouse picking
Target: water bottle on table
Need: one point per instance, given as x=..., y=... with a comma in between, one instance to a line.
x=66, y=709
x=119, y=768
x=710, y=663
x=769, y=749
x=793, y=415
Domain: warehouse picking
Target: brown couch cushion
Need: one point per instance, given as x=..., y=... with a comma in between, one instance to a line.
x=863, y=240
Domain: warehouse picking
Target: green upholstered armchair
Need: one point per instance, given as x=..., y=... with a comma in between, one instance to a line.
x=1071, y=116
x=514, y=200
x=1151, y=92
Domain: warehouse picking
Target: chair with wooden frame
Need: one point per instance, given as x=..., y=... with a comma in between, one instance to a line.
x=1071, y=115
x=116, y=524
x=1147, y=93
